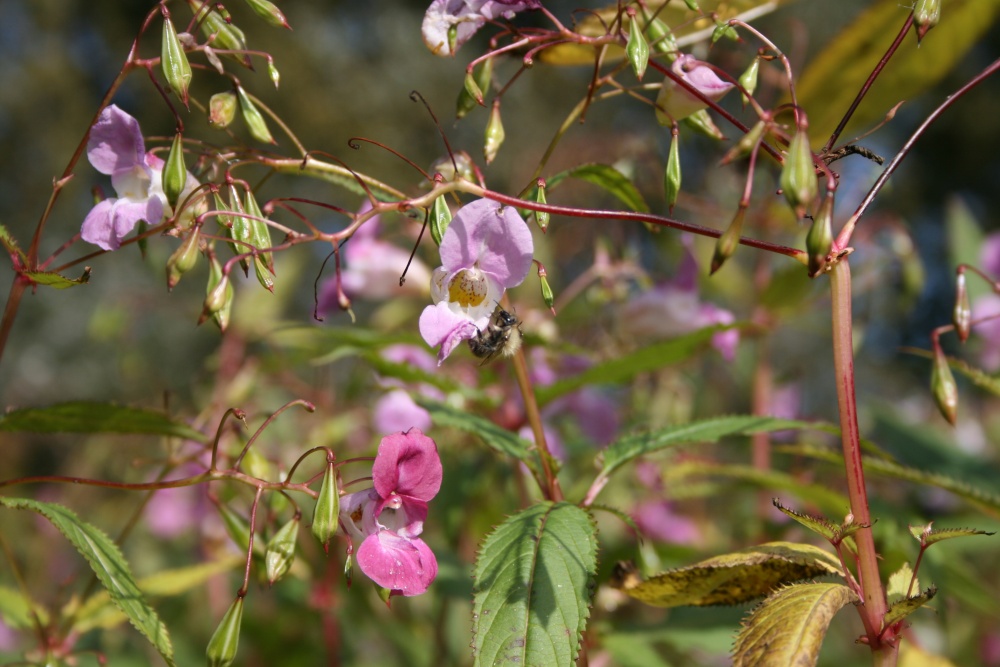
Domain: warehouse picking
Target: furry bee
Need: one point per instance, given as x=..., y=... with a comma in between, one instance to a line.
x=501, y=337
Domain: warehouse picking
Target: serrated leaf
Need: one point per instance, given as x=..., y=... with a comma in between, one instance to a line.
x=9, y=243
x=16, y=609
x=607, y=177
x=816, y=524
x=534, y=578
x=831, y=81
x=87, y=417
x=899, y=583
x=50, y=279
x=409, y=373
x=734, y=578
x=108, y=563
x=789, y=626
x=941, y=534
x=900, y=610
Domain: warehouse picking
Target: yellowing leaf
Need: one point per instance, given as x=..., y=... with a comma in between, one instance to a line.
x=733, y=578
x=900, y=610
x=914, y=656
x=788, y=627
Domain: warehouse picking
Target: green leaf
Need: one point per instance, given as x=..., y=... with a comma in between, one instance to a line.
x=607, y=177
x=86, y=417
x=899, y=583
x=534, y=579
x=732, y=578
x=9, y=243
x=16, y=609
x=109, y=565
x=788, y=627
x=900, y=610
x=927, y=537
x=816, y=524
x=49, y=279
x=830, y=83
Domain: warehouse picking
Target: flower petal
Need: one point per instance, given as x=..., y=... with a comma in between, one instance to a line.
x=115, y=142
x=407, y=464
x=675, y=102
x=439, y=325
x=393, y=562
x=396, y=411
x=493, y=237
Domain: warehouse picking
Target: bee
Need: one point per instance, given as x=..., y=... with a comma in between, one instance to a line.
x=501, y=337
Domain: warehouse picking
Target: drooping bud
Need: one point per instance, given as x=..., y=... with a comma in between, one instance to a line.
x=798, y=176
x=440, y=219
x=222, y=33
x=961, y=317
x=819, y=240
x=926, y=15
x=702, y=122
x=637, y=48
x=220, y=294
x=221, y=650
x=943, y=386
x=273, y=73
x=748, y=80
x=746, y=144
x=494, y=133
x=259, y=238
x=547, y=296
x=222, y=109
x=661, y=37
x=269, y=12
x=675, y=102
x=174, y=176
x=183, y=259
x=542, y=218
x=327, y=510
x=723, y=29
x=237, y=226
x=472, y=92
x=349, y=569
x=253, y=118
x=728, y=242
x=384, y=594
x=173, y=60
x=692, y=5
x=672, y=174
x=280, y=552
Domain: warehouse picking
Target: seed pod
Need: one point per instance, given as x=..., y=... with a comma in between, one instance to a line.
x=174, y=176
x=440, y=219
x=273, y=73
x=728, y=242
x=692, y=5
x=748, y=80
x=269, y=12
x=223, y=34
x=280, y=552
x=183, y=259
x=222, y=109
x=215, y=279
x=943, y=387
x=236, y=526
x=661, y=37
x=962, y=315
x=542, y=218
x=672, y=174
x=472, y=92
x=746, y=144
x=637, y=48
x=173, y=60
x=798, y=176
x=702, y=121
x=327, y=511
x=926, y=15
x=253, y=118
x=494, y=133
x=547, y=296
x=221, y=650
x=820, y=237
x=260, y=238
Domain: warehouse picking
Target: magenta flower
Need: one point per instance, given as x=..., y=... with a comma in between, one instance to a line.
x=464, y=17
x=486, y=250
x=116, y=148
x=988, y=306
x=388, y=518
x=989, y=255
x=675, y=102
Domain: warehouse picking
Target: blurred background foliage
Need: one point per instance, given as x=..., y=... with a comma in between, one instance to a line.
x=347, y=70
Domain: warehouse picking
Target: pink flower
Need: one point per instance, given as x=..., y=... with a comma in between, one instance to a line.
x=389, y=517
x=675, y=102
x=450, y=23
x=486, y=250
x=989, y=331
x=989, y=255
x=116, y=148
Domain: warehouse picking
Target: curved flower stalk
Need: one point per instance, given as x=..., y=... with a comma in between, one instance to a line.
x=116, y=148
x=388, y=518
x=450, y=23
x=486, y=250
x=675, y=102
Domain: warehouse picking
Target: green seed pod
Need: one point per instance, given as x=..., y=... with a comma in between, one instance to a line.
x=661, y=37
x=440, y=219
x=701, y=121
x=253, y=118
x=269, y=12
x=637, y=48
x=926, y=15
x=692, y=5
x=962, y=315
x=183, y=259
x=472, y=92
x=173, y=60
x=384, y=594
x=820, y=237
x=748, y=80
x=221, y=650
x=174, y=176
x=327, y=511
x=723, y=29
x=215, y=280
x=746, y=144
x=728, y=242
x=256, y=465
x=237, y=527
x=547, y=296
x=260, y=238
x=494, y=133
x=349, y=569
x=672, y=174
x=542, y=217
x=272, y=71
x=280, y=552
x=798, y=176
x=223, y=34
x=943, y=387
x=222, y=109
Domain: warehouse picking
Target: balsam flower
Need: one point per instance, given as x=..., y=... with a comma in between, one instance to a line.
x=388, y=518
x=675, y=102
x=450, y=23
x=486, y=250
x=116, y=148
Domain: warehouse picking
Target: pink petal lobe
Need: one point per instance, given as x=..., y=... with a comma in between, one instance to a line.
x=407, y=464
x=115, y=142
x=393, y=562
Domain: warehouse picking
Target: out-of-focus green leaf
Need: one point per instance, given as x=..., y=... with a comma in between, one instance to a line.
x=109, y=565
x=534, y=579
x=830, y=83
x=607, y=177
x=85, y=417
x=16, y=609
x=980, y=378
x=9, y=243
x=788, y=627
x=49, y=279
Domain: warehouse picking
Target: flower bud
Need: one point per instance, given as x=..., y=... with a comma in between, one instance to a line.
x=327, y=510
x=701, y=121
x=547, y=296
x=542, y=218
x=798, y=176
x=260, y=238
x=273, y=73
x=943, y=386
x=637, y=49
x=727, y=243
x=221, y=650
x=221, y=33
x=472, y=93
x=962, y=315
x=280, y=552
x=675, y=102
x=748, y=80
x=183, y=259
x=269, y=12
x=216, y=282
x=926, y=15
x=494, y=133
x=253, y=118
x=723, y=29
x=173, y=60
x=349, y=569
x=672, y=174
x=222, y=109
x=820, y=237
x=174, y=176
x=440, y=218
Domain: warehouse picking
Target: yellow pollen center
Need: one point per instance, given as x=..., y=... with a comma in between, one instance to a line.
x=467, y=289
